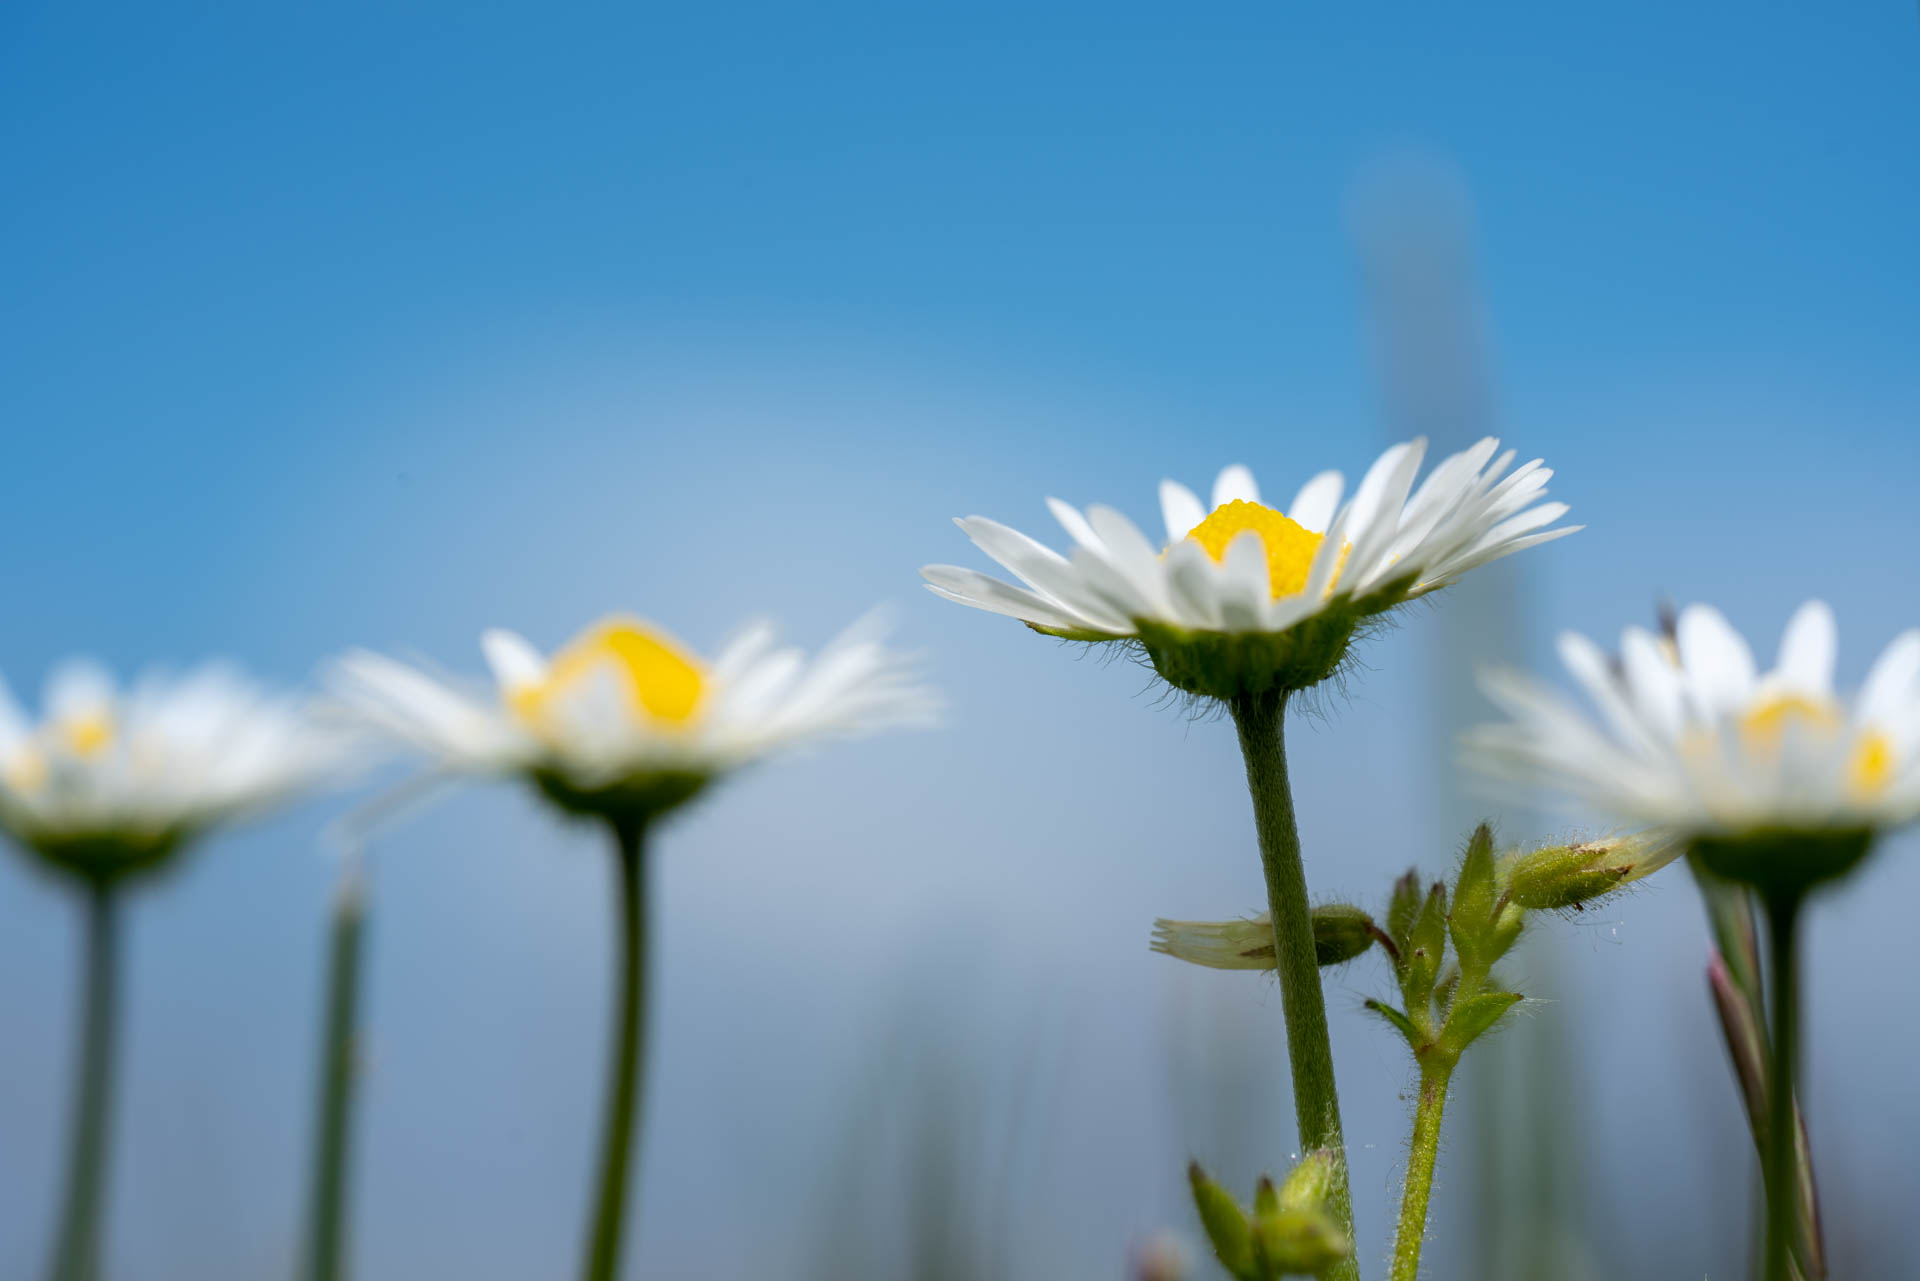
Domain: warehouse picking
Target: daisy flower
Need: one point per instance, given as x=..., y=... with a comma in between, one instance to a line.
x=1691, y=736
x=625, y=715
x=110, y=783
x=1242, y=596
x=1771, y=779
x=109, y=780
x=624, y=724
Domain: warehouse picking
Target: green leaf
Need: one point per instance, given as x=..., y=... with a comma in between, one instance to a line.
x=1401, y=1023
x=1225, y=1223
x=1469, y=1019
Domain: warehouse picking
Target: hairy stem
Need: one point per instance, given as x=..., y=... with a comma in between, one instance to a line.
x=76, y=1252
x=621, y=1122
x=1316, y=1104
x=1422, y=1150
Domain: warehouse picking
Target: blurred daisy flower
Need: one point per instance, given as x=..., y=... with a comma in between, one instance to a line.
x=625, y=724
x=1243, y=597
x=1693, y=737
x=624, y=717
x=110, y=781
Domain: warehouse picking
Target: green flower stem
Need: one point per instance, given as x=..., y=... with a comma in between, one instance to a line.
x=1316, y=1104
x=622, y=1117
x=1421, y=1154
x=327, y=1221
x=76, y=1255
x=1782, y=1164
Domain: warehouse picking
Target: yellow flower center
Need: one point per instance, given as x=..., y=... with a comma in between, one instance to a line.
x=664, y=682
x=88, y=734
x=1766, y=722
x=1290, y=545
x=1871, y=766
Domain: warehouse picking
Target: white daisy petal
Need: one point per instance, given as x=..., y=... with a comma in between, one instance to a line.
x=1316, y=502
x=1807, y=650
x=515, y=662
x=1718, y=661
x=1234, y=484
x=1180, y=508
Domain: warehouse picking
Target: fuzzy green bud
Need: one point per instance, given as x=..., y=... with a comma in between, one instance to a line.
x=1557, y=877
x=1297, y=1242
x=1225, y=1223
x=1311, y=1182
x=1341, y=932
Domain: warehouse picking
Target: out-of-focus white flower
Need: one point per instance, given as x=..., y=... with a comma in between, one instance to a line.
x=1692, y=737
x=108, y=779
x=623, y=710
x=1239, y=569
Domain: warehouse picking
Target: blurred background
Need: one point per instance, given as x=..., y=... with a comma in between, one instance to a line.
x=381, y=327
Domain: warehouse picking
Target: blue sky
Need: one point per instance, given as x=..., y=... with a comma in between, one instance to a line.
x=363, y=328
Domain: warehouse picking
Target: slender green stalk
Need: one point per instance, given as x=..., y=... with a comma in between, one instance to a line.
x=76, y=1252
x=1316, y=1104
x=1782, y=1165
x=333, y=1129
x=1421, y=1153
x=622, y=1120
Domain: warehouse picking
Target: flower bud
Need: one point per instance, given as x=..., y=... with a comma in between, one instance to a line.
x=1341, y=932
x=1311, y=1182
x=1297, y=1241
x=1225, y=1223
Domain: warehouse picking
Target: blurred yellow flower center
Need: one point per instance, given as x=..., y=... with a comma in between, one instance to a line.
x=1871, y=767
x=1766, y=722
x=87, y=735
x=1290, y=545
x=664, y=682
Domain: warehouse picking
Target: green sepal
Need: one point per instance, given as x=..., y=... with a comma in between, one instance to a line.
x=1230, y=665
x=1341, y=932
x=634, y=800
x=1505, y=930
x=1783, y=863
x=1471, y=1018
x=1401, y=1023
x=1225, y=1223
x=1297, y=1242
x=1266, y=1197
x=1310, y=1183
x=1420, y=962
x=1075, y=634
x=104, y=858
x=1403, y=909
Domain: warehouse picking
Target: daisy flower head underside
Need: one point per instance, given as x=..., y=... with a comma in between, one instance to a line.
x=1691, y=736
x=109, y=781
x=626, y=720
x=1243, y=597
